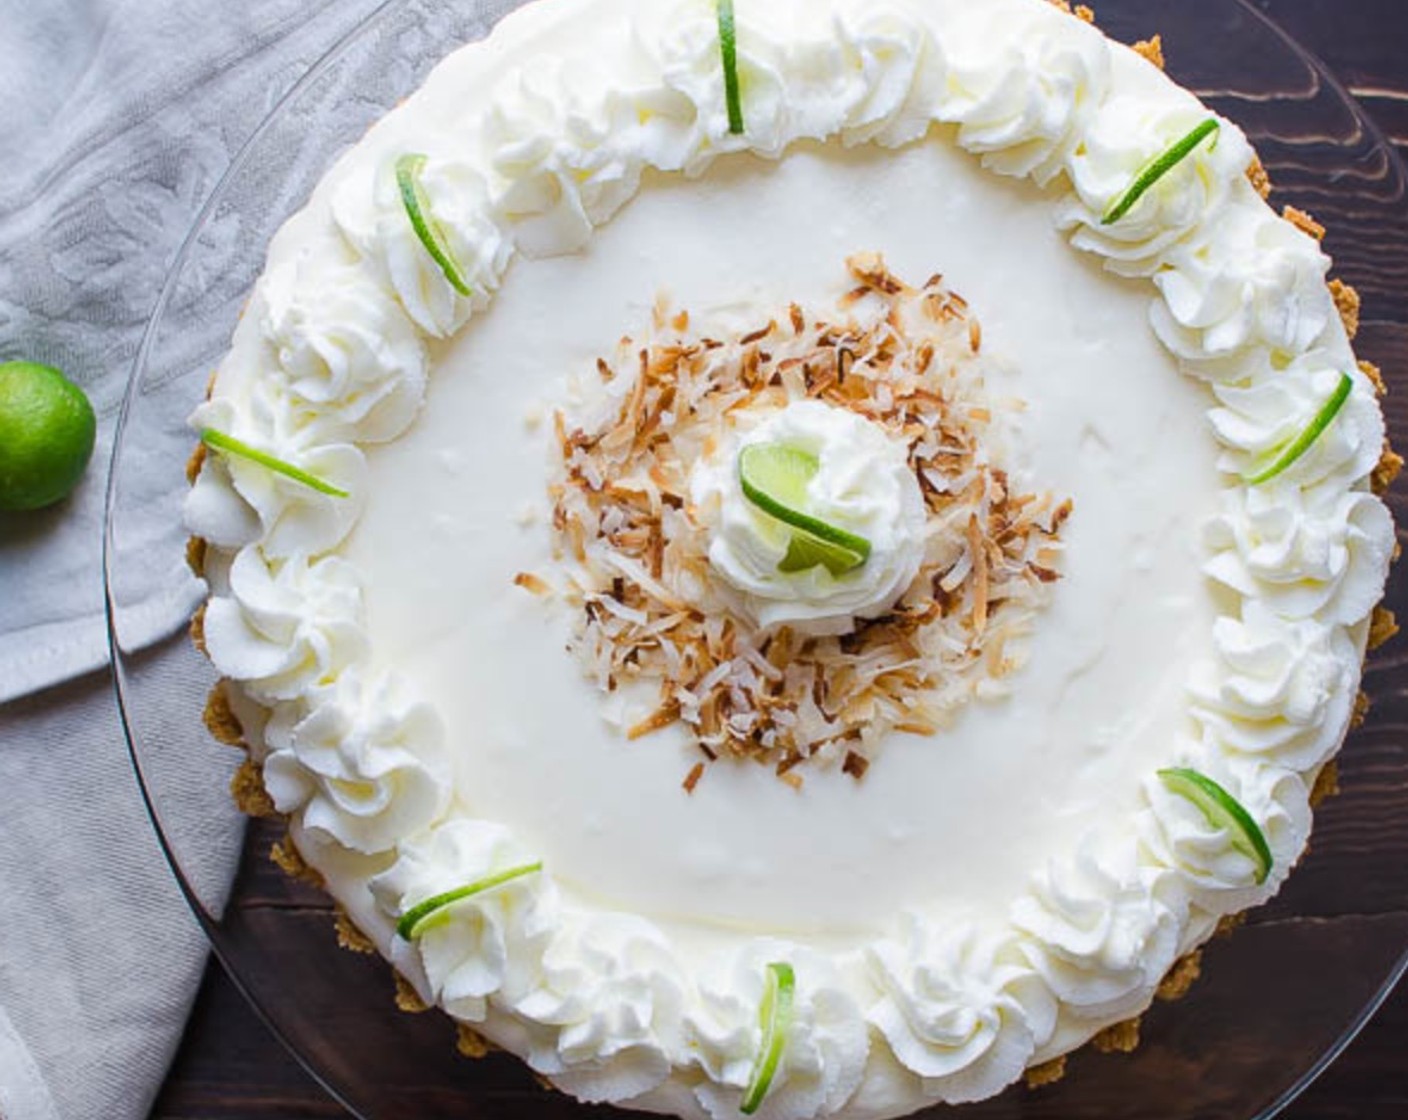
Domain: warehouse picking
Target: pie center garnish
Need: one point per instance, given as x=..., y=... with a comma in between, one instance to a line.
x=777, y=477
x=795, y=540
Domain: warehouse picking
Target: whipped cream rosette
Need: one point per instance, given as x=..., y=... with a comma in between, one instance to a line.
x=465, y=790
x=863, y=483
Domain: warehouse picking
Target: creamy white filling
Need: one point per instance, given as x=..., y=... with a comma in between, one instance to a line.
x=747, y=851
x=567, y=120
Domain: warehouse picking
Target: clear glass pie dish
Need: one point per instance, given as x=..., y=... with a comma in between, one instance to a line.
x=1277, y=1001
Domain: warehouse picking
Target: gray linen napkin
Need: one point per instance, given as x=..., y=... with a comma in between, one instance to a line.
x=117, y=118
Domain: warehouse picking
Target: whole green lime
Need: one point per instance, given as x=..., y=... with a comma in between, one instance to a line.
x=47, y=428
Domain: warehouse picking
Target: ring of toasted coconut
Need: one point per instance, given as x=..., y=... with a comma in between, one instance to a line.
x=650, y=609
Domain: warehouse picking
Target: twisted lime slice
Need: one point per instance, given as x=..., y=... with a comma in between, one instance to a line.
x=430, y=232
x=1302, y=443
x=1157, y=168
x=728, y=47
x=232, y=446
x=775, y=1016
x=774, y=478
x=1222, y=811
x=414, y=921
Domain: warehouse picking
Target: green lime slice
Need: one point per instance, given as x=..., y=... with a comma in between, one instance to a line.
x=728, y=47
x=805, y=552
x=775, y=1016
x=1157, y=168
x=232, y=446
x=1222, y=811
x=414, y=921
x=774, y=478
x=47, y=429
x=430, y=232
x=1302, y=443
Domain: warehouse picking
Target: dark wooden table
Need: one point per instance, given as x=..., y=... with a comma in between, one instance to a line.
x=231, y=1067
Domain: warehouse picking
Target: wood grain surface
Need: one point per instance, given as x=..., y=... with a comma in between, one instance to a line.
x=230, y=1066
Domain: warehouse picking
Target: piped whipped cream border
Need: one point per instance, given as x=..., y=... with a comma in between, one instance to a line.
x=527, y=155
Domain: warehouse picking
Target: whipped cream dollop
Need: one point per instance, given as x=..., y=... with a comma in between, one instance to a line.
x=1021, y=96
x=1309, y=552
x=286, y=627
x=1246, y=278
x=1128, y=132
x=1212, y=873
x=362, y=760
x=341, y=349
x=863, y=485
x=959, y=1007
x=494, y=943
x=376, y=223
x=236, y=502
x=607, y=1007
x=1279, y=687
x=1103, y=933
x=1257, y=420
x=826, y=1045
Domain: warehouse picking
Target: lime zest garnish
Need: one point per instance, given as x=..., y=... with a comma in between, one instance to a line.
x=774, y=478
x=232, y=446
x=1222, y=811
x=728, y=48
x=1157, y=168
x=430, y=232
x=775, y=1017
x=414, y=920
x=1302, y=443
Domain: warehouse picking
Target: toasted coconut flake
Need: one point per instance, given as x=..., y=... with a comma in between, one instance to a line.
x=977, y=551
x=660, y=718
x=533, y=584
x=692, y=779
x=636, y=550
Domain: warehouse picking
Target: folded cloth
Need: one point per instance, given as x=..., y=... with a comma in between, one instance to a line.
x=119, y=118
x=99, y=956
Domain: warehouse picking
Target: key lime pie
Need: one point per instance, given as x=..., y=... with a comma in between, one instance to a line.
x=792, y=559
